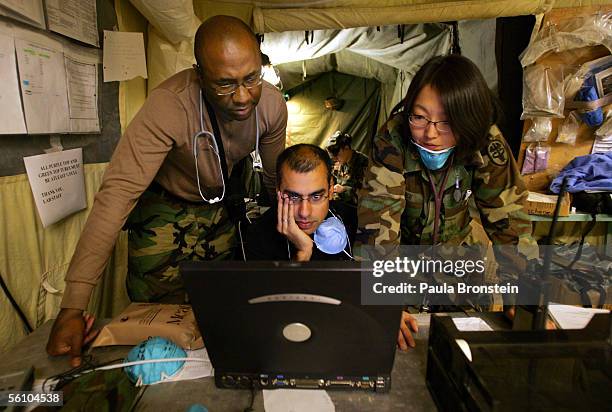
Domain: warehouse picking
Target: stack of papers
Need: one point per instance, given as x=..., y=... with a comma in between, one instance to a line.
x=471, y=324
x=602, y=144
x=572, y=317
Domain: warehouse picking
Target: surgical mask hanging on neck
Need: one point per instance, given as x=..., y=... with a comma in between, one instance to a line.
x=434, y=159
x=331, y=237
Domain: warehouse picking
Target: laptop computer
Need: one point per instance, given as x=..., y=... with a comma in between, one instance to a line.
x=273, y=325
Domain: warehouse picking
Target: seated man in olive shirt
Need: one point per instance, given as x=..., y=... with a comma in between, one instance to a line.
x=304, y=225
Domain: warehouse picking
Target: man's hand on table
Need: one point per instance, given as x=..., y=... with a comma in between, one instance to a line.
x=72, y=330
x=404, y=336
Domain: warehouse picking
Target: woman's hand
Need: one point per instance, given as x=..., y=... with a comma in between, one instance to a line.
x=404, y=336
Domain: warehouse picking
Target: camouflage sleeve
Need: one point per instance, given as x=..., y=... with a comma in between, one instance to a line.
x=381, y=197
x=361, y=163
x=360, y=169
x=500, y=194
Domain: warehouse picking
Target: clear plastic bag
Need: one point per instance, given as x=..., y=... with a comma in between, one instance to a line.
x=536, y=158
x=540, y=129
x=574, y=79
x=605, y=131
x=569, y=129
x=543, y=91
x=568, y=34
x=545, y=41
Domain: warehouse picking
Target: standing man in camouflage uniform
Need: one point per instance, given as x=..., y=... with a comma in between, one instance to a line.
x=167, y=177
x=348, y=169
x=439, y=150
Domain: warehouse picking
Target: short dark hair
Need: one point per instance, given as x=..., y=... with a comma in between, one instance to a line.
x=471, y=107
x=340, y=140
x=303, y=158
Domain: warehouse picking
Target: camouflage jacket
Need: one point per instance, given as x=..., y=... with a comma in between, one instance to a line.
x=397, y=206
x=350, y=175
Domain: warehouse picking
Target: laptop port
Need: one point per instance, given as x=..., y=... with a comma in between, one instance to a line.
x=228, y=381
x=340, y=384
x=264, y=381
x=244, y=381
x=280, y=382
x=307, y=383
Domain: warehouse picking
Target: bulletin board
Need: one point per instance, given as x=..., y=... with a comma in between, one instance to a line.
x=561, y=154
x=97, y=147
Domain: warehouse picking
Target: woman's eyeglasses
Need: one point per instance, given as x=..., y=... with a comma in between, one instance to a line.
x=422, y=122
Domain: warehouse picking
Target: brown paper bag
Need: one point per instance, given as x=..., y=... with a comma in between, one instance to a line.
x=141, y=320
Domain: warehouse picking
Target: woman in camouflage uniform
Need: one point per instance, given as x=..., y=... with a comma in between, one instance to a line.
x=439, y=151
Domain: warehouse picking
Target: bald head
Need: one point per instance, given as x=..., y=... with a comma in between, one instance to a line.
x=221, y=33
x=228, y=57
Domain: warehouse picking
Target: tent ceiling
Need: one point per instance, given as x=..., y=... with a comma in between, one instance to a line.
x=382, y=45
x=345, y=14
x=365, y=52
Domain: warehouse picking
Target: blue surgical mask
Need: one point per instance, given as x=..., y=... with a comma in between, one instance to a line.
x=331, y=237
x=434, y=159
x=155, y=348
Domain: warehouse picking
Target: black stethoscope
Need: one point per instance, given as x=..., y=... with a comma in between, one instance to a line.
x=257, y=163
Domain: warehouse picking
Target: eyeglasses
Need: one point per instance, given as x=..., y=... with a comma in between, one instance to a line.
x=228, y=89
x=421, y=122
x=314, y=199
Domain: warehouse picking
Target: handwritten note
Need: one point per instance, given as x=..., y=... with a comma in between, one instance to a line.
x=124, y=56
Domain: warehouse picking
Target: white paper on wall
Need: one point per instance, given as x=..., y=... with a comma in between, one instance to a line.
x=124, y=56
x=26, y=11
x=42, y=76
x=76, y=19
x=82, y=81
x=57, y=183
x=11, y=115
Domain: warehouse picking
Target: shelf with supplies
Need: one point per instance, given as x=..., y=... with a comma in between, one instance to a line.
x=583, y=217
x=573, y=217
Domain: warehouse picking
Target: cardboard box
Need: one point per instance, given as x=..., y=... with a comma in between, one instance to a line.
x=544, y=205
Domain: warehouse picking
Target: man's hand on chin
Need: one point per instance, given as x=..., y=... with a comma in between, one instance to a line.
x=285, y=224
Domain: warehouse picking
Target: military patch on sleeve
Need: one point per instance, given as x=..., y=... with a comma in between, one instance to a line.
x=497, y=152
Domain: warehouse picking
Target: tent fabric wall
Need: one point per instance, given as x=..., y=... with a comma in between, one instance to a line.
x=33, y=262
x=132, y=93
x=165, y=58
x=367, y=52
x=310, y=122
x=363, y=14
x=169, y=46
x=174, y=19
